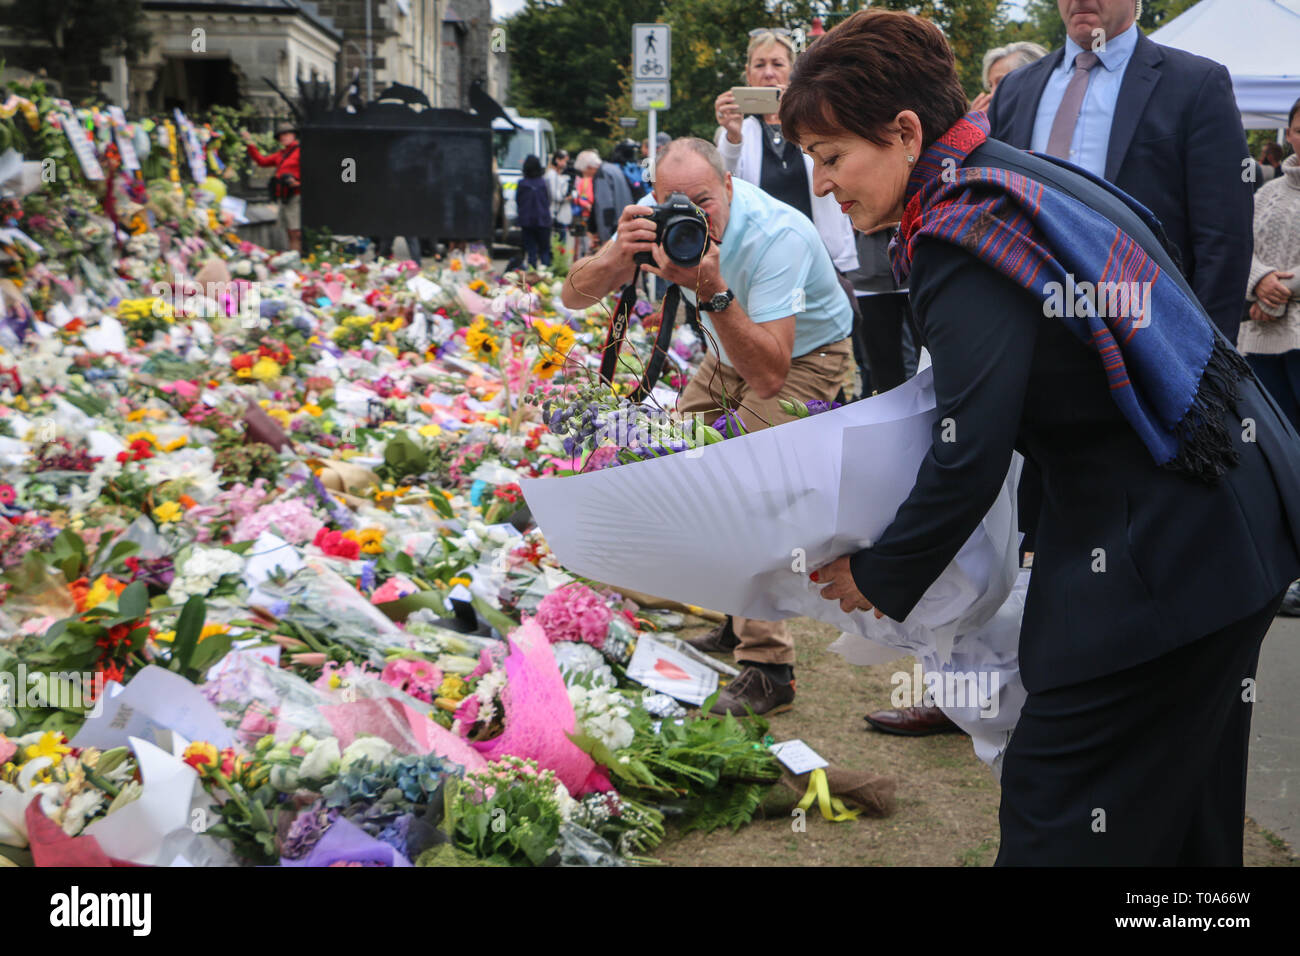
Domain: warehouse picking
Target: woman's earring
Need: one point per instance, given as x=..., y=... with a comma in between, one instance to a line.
x=910, y=159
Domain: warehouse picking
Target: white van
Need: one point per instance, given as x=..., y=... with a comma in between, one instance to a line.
x=511, y=147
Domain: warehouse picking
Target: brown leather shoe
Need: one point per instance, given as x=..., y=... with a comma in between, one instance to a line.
x=913, y=722
x=755, y=690
x=719, y=640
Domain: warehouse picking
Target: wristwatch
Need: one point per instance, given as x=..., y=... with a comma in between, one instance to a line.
x=718, y=302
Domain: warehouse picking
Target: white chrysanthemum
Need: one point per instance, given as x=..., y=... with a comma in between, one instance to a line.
x=374, y=749
x=82, y=805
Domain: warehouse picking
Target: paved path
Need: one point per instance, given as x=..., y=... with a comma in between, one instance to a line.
x=1273, y=781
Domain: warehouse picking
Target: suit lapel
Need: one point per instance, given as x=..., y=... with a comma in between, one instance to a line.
x=1140, y=81
x=1036, y=83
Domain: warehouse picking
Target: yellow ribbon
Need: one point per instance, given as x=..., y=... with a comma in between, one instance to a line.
x=16, y=103
x=832, y=808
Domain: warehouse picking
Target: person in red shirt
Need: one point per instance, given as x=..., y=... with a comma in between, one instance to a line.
x=285, y=183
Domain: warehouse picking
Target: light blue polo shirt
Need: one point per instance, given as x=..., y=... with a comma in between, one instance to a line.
x=773, y=259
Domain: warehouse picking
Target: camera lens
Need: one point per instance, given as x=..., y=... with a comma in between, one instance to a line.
x=685, y=241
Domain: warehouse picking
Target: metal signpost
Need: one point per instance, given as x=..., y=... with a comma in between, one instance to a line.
x=651, y=72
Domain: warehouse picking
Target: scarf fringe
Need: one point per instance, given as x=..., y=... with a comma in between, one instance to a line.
x=1205, y=449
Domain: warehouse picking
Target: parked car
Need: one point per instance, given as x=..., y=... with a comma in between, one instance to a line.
x=512, y=146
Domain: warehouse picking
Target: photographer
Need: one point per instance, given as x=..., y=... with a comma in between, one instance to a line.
x=285, y=183
x=777, y=326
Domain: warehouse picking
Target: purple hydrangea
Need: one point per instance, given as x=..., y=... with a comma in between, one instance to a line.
x=306, y=831
x=397, y=834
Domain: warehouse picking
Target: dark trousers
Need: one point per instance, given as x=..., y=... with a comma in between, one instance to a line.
x=537, y=242
x=1280, y=374
x=384, y=246
x=561, y=232
x=1029, y=502
x=1144, y=767
x=881, y=336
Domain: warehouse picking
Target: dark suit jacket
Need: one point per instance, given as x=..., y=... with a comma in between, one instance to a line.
x=1177, y=147
x=1132, y=561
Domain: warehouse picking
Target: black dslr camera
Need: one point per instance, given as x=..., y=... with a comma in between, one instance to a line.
x=682, y=228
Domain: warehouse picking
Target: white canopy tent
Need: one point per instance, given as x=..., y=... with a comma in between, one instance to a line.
x=1257, y=40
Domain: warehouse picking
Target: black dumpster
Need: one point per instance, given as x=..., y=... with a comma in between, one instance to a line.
x=390, y=170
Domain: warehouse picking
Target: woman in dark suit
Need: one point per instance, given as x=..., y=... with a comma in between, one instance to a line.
x=1059, y=326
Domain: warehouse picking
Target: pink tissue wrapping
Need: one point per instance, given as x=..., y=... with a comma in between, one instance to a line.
x=405, y=728
x=50, y=846
x=472, y=301
x=538, y=715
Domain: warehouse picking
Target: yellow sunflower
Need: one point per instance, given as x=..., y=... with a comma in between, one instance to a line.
x=481, y=343
x=556, y=341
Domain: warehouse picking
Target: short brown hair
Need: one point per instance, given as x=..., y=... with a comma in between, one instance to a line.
x=866, y=71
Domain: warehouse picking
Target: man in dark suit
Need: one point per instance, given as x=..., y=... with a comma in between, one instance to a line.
x=1159, y=123
x=1163, y=126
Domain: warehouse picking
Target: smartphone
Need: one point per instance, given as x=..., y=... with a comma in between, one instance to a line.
x=757, y=99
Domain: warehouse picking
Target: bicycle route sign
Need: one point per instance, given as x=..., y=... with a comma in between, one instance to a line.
x=651, y=66
x=651, y=51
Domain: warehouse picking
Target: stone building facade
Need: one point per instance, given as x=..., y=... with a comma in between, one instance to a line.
x=220, y=52
x=437, y=46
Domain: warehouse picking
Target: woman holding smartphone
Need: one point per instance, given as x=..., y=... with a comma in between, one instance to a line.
x=754, y=149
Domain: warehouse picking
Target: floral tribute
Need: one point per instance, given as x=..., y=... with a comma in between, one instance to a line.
x=277, y=498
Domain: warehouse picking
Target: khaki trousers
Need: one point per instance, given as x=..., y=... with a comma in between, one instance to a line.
x=820, y=374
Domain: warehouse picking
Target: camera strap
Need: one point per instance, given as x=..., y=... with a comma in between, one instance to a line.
x=672, y=298
x=617, y=333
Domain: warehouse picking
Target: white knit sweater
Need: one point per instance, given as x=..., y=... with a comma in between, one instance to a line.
x=1277, y=249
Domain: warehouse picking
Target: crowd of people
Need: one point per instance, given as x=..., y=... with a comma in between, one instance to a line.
x=878, y=211
x=580, y=197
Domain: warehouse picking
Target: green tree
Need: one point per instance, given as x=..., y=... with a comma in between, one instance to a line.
x=710, y=38
x=566, y=59
x=1044, y=23
x=69, y=38
x=971, y=26
x=571, y=61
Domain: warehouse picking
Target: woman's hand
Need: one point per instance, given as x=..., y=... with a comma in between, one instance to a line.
x=840, y=587
x=729, y=116
x=982, y=102
x=1259, y=315
x=1272, y=292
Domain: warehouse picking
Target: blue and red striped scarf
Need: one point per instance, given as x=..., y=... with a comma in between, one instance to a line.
x=1170, y=373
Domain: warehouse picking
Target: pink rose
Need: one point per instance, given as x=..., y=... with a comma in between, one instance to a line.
x=394, y=589
x=420, y=679
x=184, y=389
